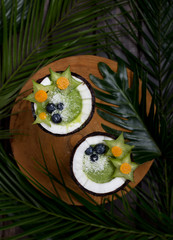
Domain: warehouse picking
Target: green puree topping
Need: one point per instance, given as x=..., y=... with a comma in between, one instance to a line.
x=72, y=104
x=100, y=171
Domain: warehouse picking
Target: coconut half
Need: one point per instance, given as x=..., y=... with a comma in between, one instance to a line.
x=85, y=95
x=83, y=172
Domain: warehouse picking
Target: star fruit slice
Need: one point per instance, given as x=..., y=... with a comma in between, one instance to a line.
x=42, y=116
x=117, y=148
x=124, y=167
x=36, y=88
x=73, y=83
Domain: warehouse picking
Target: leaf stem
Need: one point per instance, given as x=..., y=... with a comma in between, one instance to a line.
x=159, y=57
x=166, y=185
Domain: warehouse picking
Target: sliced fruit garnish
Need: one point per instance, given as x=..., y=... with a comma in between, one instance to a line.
x=73, y=83
x=42, y=116
x=40, y=96
x=62, y=83
x=54, y=75
x=38, y=91
x=118, y=148
x=124, y=167
x=39, y=86
x=116, y=151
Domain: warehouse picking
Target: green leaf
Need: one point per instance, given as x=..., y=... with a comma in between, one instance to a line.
x=126, y=115
x=148, y=26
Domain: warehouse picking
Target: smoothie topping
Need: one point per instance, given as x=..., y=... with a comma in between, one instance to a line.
x=94, y=157
x=116, y=151
x=42, y=115
x=40, y=96
x=56, y=118
x=100, y=148
x=89, y=150
x=62, y=83
x=125, y=168
x=118, y=148
x=50, y=107
x=60, y=106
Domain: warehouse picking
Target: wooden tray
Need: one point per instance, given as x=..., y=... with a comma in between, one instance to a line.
x=26, y=148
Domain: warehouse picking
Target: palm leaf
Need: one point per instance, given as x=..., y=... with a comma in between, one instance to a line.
x=124, y=110
x=149, y=26
x=52, y=218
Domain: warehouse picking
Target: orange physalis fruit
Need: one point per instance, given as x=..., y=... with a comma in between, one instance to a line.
x=125, y=168
x=40, y=96
x=62, y=83
x=42, y=115
x=116, y=151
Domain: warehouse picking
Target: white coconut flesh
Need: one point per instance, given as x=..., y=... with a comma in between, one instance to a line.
x=87, y=105
x=79, y=165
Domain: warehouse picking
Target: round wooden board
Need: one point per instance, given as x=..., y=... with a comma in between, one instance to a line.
x=26, y=147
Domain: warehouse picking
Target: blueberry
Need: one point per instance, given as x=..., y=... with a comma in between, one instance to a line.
x=89, y=151
x=60, y=106
x=50, y=107
x=100, y=148
x=94, y=157
x=56, y=118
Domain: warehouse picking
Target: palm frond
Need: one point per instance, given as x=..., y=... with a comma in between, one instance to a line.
x=125, y=110
x=65, y=28
x=149, y=27
x=22, y=204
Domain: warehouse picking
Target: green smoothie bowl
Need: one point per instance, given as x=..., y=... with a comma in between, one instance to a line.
x=101, y=164
x=62, y=103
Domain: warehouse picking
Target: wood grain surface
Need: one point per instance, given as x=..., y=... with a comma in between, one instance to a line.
x=26, y=147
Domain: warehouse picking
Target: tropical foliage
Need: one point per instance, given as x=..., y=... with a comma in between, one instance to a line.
x=127, y=111
x=35, y=33
x=149, y=25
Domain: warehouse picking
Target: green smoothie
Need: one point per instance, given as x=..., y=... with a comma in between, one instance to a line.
x=59, y=101
x=72, y=102
x=100, y=171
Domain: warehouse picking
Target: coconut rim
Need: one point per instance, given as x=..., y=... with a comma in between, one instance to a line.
x=86, y=121
x=73, y=175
